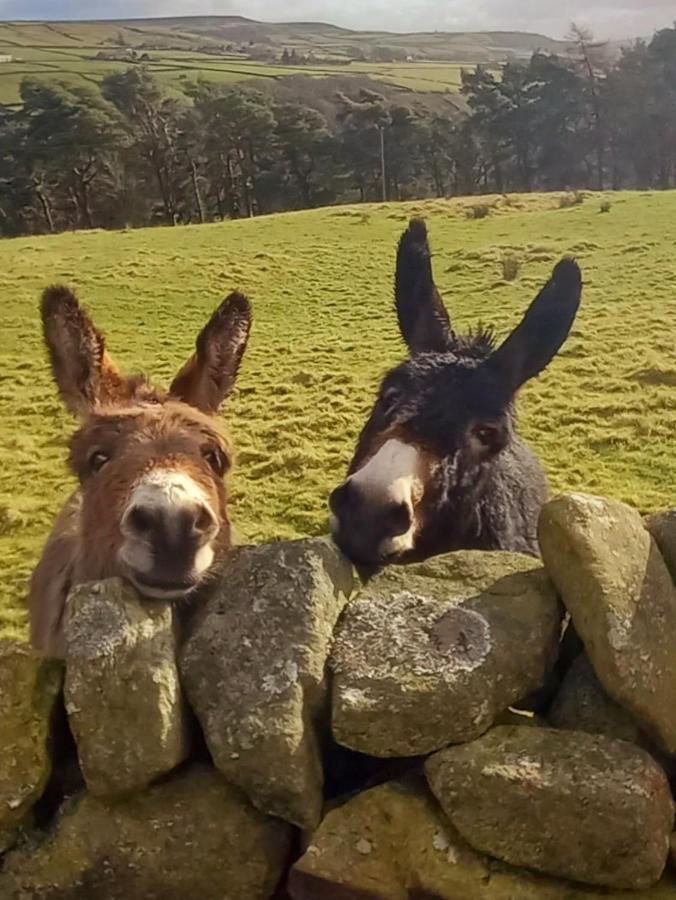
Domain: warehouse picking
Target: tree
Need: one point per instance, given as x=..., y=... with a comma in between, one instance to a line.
x=406, y=137
x=70, y=134
x=303, y=139
x=589, y=58
x=485, y=101
x=238, y=129
x=17, y=195
x=152, y=122
x=361, y=123
x=559, y=124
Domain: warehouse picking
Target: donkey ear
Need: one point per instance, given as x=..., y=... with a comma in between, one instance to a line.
x=423, y=320
x=539, y=336
x=209, y=375
x=84, y=373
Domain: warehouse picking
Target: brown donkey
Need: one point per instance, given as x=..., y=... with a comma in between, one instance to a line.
x=152, y=505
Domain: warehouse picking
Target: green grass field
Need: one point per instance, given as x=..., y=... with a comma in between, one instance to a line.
x=185, y=49
x=603, y=417
x=172, y=68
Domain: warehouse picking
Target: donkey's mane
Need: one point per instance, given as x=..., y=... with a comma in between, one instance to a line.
x=477, y=343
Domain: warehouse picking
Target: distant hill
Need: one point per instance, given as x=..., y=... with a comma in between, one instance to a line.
x=217, y=32
x=232, y=48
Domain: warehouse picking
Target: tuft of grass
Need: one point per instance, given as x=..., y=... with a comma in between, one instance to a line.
x=510, y=266
x=571, y=199
x=602, y=417
x=478, y=210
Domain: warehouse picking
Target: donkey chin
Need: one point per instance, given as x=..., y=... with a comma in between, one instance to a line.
x=166, y=586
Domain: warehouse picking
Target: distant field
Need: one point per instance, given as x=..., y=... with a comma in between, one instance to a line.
x=77, y=67
x=182, y=49
x=603, y=417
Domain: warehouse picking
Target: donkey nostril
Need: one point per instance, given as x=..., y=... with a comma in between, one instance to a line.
x=338, y=498
x=204, y=520
x=140, y=520
x=398, y=518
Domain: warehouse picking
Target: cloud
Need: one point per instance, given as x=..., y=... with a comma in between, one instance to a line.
x=607, y=18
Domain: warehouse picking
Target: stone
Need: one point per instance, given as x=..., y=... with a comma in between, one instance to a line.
x=395, y=843
x=431, y=654
x=254, y=670
x=673, y=850
x=121, y=659
x=662, y=526
x=30, y=687
x=190, y=836
x=563, y=803
x=583, y=705
x=615, y=583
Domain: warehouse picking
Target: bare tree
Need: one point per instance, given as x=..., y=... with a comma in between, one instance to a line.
x=590, y=58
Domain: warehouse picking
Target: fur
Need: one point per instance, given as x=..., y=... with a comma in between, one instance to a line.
x=128, y=431
x=454, y=401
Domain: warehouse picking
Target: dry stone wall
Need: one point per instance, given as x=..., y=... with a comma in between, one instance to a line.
x=482, y=725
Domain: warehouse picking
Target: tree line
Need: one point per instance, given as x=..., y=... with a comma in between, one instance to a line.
x=129, y=153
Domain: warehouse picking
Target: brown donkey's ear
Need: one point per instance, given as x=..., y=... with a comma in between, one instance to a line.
x=210, y=374
x=84, y=373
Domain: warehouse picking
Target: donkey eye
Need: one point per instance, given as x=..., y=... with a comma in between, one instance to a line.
x=485, y=435
x=490, y=437
x=389, y=399
x=97, y=460
x=216, y=459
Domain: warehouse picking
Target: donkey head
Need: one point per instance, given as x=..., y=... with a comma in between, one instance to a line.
x=442, y=417
x=153, y=505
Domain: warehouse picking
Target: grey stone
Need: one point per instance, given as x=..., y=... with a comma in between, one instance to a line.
x=122, y=689
x=662, y=526
x=616, y=585
x=583, y=705
x=29, y=691
x=394, y=843
x=191, y=836
x=431, y=654
x=254, y=669
x=563, y=803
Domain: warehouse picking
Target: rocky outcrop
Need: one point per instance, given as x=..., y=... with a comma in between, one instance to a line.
x=254, y=670
x=191, y=836
x=616, y=585
x=122, y=690
x=568, y=804
x=662, y=526
x=311, y=688
x=29, y=692
x=395, y=843
x=582, y=705
x=430, y=654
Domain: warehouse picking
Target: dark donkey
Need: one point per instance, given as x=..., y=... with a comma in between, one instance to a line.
x=152, y=504
x=439, y=465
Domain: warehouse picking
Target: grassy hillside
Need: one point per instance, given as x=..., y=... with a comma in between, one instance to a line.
x=603, y=417
x=217, y=47
x=175, y=68
x=213, y=31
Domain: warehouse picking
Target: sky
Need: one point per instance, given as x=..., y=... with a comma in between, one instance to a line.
x=607, y=18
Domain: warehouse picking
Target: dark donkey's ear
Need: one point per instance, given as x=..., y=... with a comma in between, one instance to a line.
x=423, y=320
x=539, y=336
x=210, y=374
x=84, y=373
